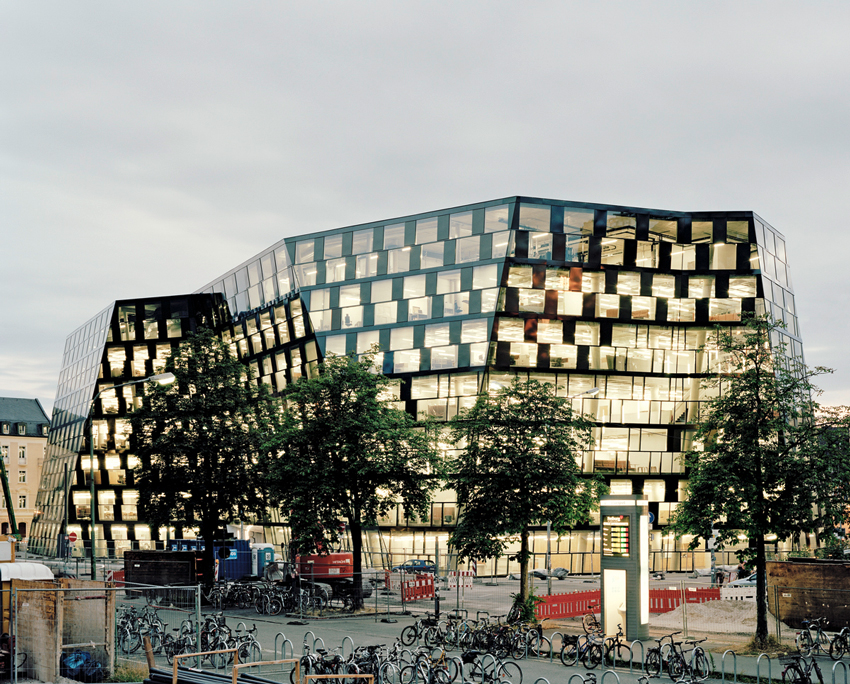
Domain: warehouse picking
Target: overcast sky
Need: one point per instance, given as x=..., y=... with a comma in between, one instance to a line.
x=146, y=148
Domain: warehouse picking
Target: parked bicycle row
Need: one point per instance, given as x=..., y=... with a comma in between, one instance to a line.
x=400, y=665
x=214, y=633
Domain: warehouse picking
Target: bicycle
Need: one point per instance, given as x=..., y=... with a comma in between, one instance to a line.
x=812, y=637
x=840, y=644
x=419, y=629
x=586, y=648
x=616, y=650
x=798, y=671
x=657, y=657
x=487, y=670
x=697, y=667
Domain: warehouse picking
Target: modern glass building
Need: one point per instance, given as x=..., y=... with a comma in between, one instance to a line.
x=581, y=295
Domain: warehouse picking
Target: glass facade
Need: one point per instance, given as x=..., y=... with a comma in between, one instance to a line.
x=619, y=300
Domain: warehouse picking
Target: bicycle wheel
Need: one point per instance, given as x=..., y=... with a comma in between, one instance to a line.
x=438, y=676
x=305, y=668
x=250, y=653
x=793, y=675
x=510, y=672
x=590, y=623
x=700, y=666
x=837, y=647
x=190, y=661
x=569, y=654
x=652, y=662
x=617, y=654
x=513, y=614
x=676, y=667
x=804, y=643
x=821, y=642
x=132, y=641
x=592, y=656
x=519, y=647
x=433, y=637
x=408, y=635
x=543, y=647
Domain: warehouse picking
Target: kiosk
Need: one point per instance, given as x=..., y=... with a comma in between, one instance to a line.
x=625, y=565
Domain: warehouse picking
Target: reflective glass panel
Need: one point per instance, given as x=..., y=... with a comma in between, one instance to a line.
x=702, y=231
x=386, y=312
x=426, y=231
x=511, y=330
x=663, y=285
x=607, y=306
x=460, y=225
x=474, y=331
x=456, y=304
x=361, y=241
x=532, y=300
x=448, y=281
x=540, y=246
x=333, y=246
x=335, y=270
x=398, y=260
x=382, y=290
x=304, y=251
x=577, y=221
x=437, y=335
x=366, y=339
x=366, y=266
x=414, y=286
x=419, y=309
x=394, y=236
x=534, y=217
x=621, y=225
x=519, y=276
x=349, y=295
x=663, y=229
x=485, y=276
x=570, y=303
x=628, y=283
x=431, y=255
x=700, y=286
x=406, y=361
x=467, y=249
x=401, y=338
x=495, y=219
x=352, y=317
x=550, y=332
x=742, y=286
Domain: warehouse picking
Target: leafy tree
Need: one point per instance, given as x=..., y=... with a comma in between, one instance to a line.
x=519, y=468
x=765, y=458
x=197, y=440
x=343, y=453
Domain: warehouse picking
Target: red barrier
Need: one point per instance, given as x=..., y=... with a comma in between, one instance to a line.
x=418, y=587
x=116, y=576
x=568, y=605
x=578, y=603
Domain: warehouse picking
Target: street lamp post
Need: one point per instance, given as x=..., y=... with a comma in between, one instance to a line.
x=162, y=379
x=590, y=392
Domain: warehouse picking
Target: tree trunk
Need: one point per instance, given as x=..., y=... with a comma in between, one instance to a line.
x=207, y=531
x=761, y=590
x=523, y=567
x=357, y=561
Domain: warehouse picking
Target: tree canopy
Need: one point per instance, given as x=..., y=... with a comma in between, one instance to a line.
x=519, y=467
x=197, y=440
x=765, y=459
x=341, y=452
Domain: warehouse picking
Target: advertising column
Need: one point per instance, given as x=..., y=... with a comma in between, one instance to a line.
x=625, y=565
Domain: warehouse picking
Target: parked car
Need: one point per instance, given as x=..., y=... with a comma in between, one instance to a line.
x=744, y=581
x=416, y=565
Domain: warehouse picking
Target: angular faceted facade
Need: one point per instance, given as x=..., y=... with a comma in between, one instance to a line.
x=619, y=300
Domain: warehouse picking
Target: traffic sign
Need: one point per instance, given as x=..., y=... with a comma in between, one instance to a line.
x=72, y=537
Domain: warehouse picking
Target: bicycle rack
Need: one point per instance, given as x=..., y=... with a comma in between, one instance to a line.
x=382, y=671
x=306, y=649
x=609, y=672
x=552, y=646
x=843, y=665
x=572, y=677
x=318, y=640
x=283, y=647
x=541, y=679
x=758, y=667
x=459, y=665
x=241, y=624
x=484, y=664
x=723, y=665
x=342, y=645
x=632, y=657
